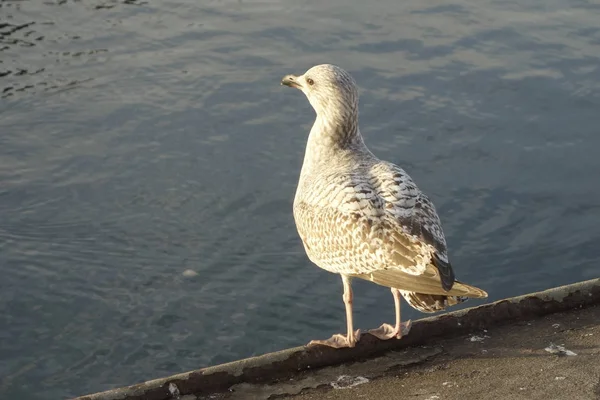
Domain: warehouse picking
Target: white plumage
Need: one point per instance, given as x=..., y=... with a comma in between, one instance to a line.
x=359, y=216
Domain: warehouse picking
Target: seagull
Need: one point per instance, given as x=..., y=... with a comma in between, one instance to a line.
x=362, y=217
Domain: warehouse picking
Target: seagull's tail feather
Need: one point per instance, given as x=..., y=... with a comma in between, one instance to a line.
x=424, y=292
x=430, y=303
x=427, y=283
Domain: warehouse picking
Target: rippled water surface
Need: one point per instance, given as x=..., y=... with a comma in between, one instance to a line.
x=139, y=140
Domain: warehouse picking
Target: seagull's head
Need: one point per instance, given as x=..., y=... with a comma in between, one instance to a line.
x=330, y=90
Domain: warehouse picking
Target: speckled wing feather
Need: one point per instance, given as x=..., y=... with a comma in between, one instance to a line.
x=435, y=288
x=352, y=243
x=377, y=225
x=352, y=223
x=415, y=214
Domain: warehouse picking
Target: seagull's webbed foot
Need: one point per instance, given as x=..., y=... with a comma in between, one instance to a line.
x=338, y=341
x=387, y=331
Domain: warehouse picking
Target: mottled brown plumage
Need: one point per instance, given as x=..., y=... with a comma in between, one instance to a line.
x=362, y=217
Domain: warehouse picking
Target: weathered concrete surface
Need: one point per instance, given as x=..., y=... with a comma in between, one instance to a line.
x=506, y=362
x=291, y=364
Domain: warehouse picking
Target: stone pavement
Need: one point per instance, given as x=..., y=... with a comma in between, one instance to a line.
x=553, y=357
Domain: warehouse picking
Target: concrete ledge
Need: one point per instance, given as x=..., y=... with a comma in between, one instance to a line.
x=287, y=363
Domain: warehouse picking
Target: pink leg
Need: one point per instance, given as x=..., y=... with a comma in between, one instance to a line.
x=338, y=341
x=386, y=331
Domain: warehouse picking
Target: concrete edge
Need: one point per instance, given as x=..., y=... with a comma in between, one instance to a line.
x=283, y=364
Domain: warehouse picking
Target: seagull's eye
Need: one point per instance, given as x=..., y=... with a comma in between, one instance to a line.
x=310, y=81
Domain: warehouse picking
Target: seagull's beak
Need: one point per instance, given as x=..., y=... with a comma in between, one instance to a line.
x=291, y=81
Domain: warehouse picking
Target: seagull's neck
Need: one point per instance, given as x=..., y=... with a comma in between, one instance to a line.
x=334, y=138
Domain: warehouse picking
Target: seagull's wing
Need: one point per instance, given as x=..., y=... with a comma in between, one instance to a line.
x=359, y=229
x=415, y=215
x=379, y=227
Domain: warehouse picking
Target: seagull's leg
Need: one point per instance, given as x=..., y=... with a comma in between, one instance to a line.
x=338, y=341
x=352, y=336
x=386, y=331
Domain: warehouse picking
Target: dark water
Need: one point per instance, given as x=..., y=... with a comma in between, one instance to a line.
x=139, y=140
